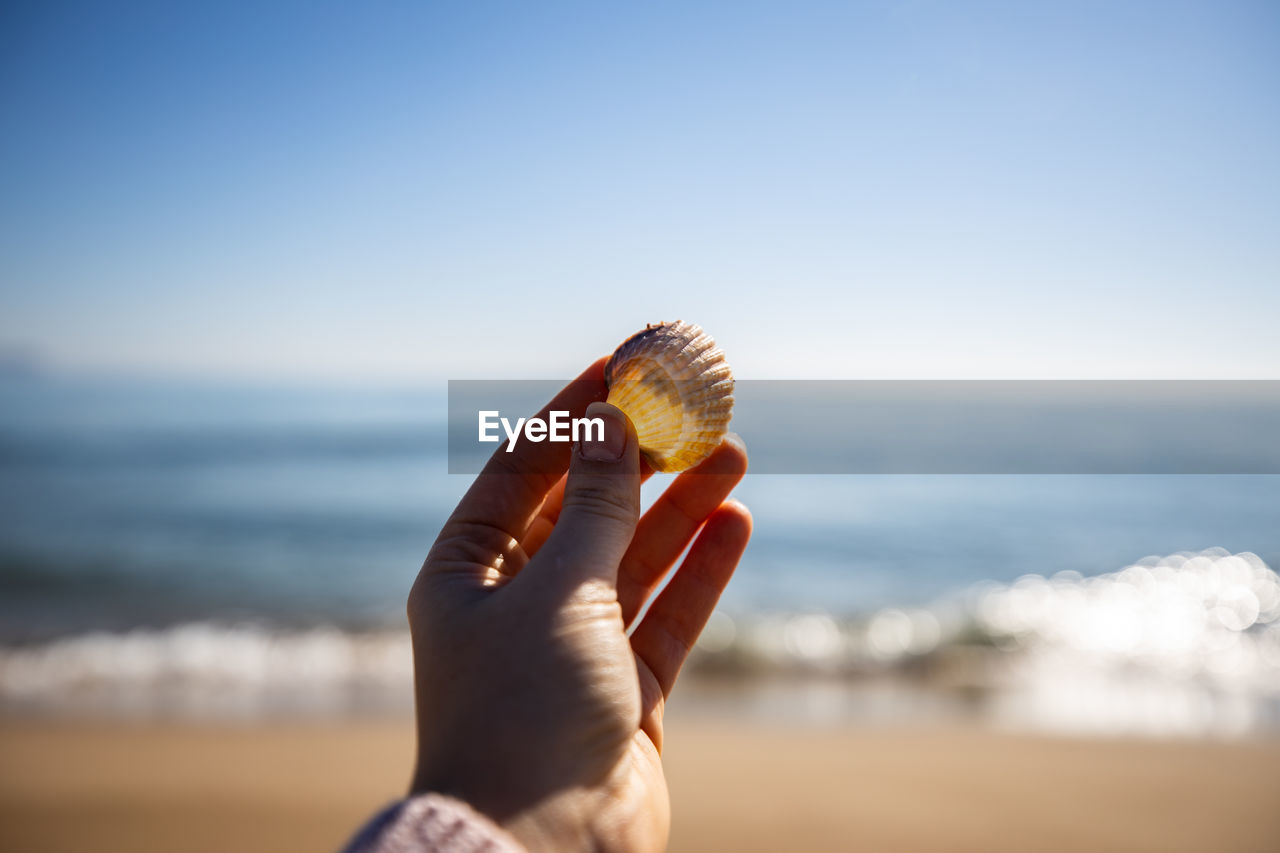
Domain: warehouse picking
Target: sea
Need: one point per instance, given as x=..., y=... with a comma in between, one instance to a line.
x=200, y=549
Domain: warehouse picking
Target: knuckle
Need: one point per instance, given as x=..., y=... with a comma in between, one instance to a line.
x=602, y=500
x=514, y=465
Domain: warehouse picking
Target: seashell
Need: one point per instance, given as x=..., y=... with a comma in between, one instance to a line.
x=672, y=381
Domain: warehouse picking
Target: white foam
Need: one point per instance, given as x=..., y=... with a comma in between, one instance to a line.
x=1186, y=644
x=199, y=668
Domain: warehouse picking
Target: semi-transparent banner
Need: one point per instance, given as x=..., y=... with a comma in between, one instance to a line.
x=922, y=426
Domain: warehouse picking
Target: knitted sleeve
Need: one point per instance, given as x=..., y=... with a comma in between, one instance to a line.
x=431, y=823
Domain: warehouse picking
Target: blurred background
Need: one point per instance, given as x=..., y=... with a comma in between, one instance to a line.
x=244, y=246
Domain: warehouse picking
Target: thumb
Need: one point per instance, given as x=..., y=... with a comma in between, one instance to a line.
x=601, y=502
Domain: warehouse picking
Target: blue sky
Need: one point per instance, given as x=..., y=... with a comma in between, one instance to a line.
x=402, y=192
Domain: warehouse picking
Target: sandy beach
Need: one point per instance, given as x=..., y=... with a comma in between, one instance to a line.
x=736, y=786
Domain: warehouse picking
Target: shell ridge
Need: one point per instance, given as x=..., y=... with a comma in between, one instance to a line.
x=675, y=385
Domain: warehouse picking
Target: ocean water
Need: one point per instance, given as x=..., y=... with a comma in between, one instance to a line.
x=214, y=545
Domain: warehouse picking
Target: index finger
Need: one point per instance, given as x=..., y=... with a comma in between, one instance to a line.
x=512, y=486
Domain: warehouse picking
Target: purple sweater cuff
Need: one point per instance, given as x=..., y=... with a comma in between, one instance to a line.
x=431, y=823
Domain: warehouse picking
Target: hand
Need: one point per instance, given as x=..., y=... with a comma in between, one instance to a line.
x=533, y=704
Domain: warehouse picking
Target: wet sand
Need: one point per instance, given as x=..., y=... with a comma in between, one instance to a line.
x=735, y=786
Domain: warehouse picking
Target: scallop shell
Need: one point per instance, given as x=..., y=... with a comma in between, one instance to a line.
x=675, y=386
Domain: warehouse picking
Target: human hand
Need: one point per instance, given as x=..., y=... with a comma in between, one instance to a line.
x=533, y=704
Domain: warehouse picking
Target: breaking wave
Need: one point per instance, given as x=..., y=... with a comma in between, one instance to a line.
x=1182, y=644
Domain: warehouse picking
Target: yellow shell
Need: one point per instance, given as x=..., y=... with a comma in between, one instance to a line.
x=674, y=384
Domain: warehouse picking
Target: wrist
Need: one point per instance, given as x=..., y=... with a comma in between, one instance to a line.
x=557, y=824
x=433, y=822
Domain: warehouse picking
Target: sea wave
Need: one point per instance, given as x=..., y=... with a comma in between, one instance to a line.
x=1182, y=644
x=210, y=670
x=1208, y=614
x=1185, y=644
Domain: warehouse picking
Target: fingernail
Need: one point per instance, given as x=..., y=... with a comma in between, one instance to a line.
x=615, y=435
